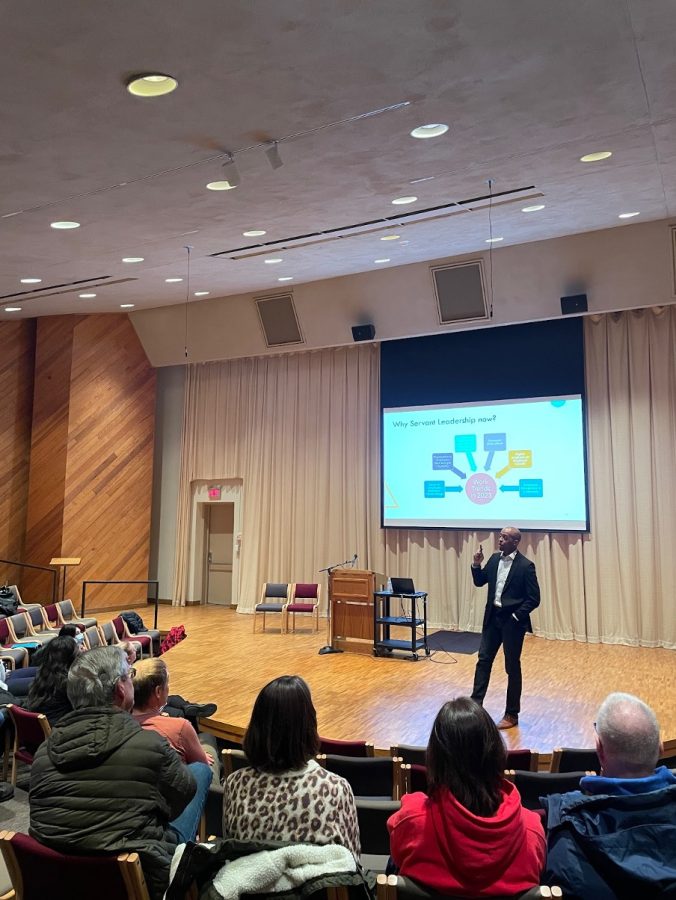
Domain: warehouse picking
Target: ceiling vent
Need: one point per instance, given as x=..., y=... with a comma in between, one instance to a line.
x=278, y=319
x=460, y=292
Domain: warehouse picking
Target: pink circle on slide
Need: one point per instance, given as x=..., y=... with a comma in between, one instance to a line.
x=480, y=488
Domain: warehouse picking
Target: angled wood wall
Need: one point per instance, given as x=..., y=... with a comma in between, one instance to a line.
x=92, y=453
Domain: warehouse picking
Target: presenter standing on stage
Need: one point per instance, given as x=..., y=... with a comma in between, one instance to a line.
x=513, y=593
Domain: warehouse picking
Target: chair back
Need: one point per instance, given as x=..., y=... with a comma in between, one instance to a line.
x=109, y=634
x=93, y=638
x=18, y=626
x=5, y=636
x=533, y=785
x=524, y=760
x=372, y=816
x=67, y=610
x=118, y=625
x=346, y=748
x=372, y=777
x=37, y=873
x=414, y=778
x=396, y=887
x=668, y=757
x=50, y=615
x=410, y=753
x=304, y=592
x=233, y=760
x=567, y=759
x=274, y=590
x=36, y=619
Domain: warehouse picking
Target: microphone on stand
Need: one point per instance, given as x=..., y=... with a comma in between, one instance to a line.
x=354, y=560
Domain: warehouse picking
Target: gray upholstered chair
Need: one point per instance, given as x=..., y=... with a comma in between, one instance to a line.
x=274, y=599
x=68, y=616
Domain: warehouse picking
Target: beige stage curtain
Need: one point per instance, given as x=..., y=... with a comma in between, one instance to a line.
x=302, y=431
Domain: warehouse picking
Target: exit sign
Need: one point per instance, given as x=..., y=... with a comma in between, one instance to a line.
x=214, y=493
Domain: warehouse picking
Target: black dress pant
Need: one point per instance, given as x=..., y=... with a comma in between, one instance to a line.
x=502, y=629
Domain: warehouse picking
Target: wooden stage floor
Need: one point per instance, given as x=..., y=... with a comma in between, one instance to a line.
x=387, y=700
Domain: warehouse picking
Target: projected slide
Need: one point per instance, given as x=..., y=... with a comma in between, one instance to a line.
x=485, y=465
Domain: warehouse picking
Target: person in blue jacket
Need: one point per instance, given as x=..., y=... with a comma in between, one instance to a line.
x=616, y=836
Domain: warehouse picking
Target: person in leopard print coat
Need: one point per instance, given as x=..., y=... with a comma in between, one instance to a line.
x=285, y=795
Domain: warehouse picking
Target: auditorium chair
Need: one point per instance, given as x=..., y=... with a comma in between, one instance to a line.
x=21, y=632
x=668, y=757
x=410, y=753
x=30, y=730
x=346, y=748
x=533, y=785
x=68, y=616
x=275, y=596
x=396, y=887
x=523, y=760
x=413, y=778
x=93, y=638
x=232, y=760
x=566, y=759
x=13, y=657
x=37, y=623
x=376, y=778
x=305, y=601
x=38, y=873
x=110, y=638
x=374, y=838
x=144, y=640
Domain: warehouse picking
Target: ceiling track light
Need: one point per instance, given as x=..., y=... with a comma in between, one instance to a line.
x=272, y=153
x=230, y=170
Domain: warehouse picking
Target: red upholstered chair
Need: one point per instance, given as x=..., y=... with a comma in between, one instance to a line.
x=523, y=760
x=38, y=873
x=304, y=599
x=13, y=657
x=30, y=730
x=346, y=748
x=414, y=778
x=123, y=634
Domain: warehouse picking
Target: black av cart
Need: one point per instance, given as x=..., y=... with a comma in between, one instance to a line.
x=413, y=615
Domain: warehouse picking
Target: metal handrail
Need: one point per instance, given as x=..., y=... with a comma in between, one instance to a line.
x=152, y=581
x=54, y=572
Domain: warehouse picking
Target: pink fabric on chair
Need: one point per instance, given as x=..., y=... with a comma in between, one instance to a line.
x=305, y=592
x=300, y=607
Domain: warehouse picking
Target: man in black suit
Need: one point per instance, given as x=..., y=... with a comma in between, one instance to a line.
x=513, y=593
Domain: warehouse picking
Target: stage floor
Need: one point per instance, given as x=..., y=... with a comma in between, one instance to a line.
x=386, y=700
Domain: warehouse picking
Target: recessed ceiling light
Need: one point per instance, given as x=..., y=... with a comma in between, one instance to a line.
x=286, y=278
x=132, y=259
x=273, y=260
x=151, y=84
x=381, y=260
x=390, y=237
x=402, y=201
x=12, y=309
x=201, y=293
x=628, y=215
x=404, y=242
x=256, y=232
x=429, y=131
x=87, y=296
x=221, y=186
x=126, y=305
x=30, y=280
x=173, y=280
x=64, y=226
x=536, y=208
x=494, y=240
x=596, y=157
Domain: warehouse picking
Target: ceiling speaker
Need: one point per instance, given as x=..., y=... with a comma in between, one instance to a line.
x=576, y=303
x=460, y=293
x=278, y=320
x=363, y=332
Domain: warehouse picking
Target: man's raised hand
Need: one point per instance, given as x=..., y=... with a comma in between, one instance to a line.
x=478, y=556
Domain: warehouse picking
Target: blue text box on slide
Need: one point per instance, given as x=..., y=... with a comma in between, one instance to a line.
x=531, y=487
x=495, y=441
x=435, y=490
x=465, y=443
x=442, y=460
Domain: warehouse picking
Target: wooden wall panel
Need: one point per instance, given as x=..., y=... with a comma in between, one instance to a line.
x=17, y=359
x=92, y=453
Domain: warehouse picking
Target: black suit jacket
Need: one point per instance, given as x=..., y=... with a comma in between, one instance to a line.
x=521, y=593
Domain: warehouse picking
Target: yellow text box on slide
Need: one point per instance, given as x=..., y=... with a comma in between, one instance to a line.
x=518, y=459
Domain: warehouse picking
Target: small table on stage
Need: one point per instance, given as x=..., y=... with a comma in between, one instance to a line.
x=413, y=619
x=64, y=562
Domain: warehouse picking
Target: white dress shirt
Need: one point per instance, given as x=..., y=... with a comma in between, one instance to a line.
x=504, y=565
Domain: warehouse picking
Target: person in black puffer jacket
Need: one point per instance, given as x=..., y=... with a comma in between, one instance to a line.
x=100, y=783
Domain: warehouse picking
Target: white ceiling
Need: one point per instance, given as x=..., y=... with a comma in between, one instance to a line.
x=526, y=86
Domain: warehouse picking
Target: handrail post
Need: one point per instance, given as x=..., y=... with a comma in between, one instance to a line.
x=82, y=602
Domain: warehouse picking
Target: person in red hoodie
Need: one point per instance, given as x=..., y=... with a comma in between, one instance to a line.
x=469, y=835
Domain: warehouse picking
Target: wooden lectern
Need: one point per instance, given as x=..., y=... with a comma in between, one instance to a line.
x=351, y=609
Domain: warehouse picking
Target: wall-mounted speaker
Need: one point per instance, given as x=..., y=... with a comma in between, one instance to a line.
x=278, y=320
x=576, y=303
x=363, y=332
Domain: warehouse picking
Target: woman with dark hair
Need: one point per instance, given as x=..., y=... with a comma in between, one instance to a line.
x=47, y=693
x=285, y=795
x=469, y=835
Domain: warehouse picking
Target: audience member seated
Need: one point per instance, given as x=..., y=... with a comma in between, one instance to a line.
x=285, y=795
x=175, y=706
x=102, y=783
x=616, y=837
x=47, y=693
x=151, y=690
x=469, y=835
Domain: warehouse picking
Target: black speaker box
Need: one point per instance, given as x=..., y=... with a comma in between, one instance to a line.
x=576, y=303
x=363, y=332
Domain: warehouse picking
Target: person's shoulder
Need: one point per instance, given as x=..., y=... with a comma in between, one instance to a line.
x=414, y=807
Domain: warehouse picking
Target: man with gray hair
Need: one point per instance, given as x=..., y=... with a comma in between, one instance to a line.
x=100, y=783
x=616, y=836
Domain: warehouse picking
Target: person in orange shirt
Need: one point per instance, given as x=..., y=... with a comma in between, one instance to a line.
x=151, y=690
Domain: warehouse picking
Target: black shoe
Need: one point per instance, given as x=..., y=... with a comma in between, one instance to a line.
x=199, y=710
